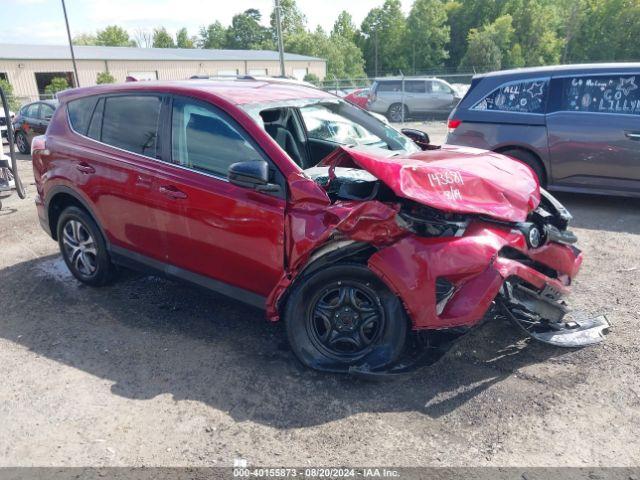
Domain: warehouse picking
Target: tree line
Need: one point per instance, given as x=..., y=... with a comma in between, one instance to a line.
x=436, y=35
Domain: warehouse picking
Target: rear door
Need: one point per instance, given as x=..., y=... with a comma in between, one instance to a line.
x=31, y=123
x=115, y=167
x=214, y=229
x=415, y=95
x=594, y=131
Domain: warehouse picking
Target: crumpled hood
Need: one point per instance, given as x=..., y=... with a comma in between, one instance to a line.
x=454, y=179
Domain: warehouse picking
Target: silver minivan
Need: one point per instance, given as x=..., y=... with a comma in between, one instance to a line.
x=415, y=95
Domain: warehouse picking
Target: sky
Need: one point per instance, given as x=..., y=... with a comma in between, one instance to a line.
x=42, y=21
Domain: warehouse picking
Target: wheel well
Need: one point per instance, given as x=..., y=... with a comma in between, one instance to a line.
x=57, y=205
x=535, y=156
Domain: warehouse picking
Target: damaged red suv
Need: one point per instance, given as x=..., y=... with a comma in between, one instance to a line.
x=360, y=237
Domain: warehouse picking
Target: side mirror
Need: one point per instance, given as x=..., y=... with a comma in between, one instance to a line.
x=253, y=174
x=418, y=136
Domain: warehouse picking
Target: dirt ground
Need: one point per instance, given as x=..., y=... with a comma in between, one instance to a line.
x=157, y=373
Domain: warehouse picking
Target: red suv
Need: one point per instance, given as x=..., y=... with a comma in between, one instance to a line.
x=283, y=196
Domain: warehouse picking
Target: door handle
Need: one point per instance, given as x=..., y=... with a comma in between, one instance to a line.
x=632, y=135
x=85, y=168
x=172, y=192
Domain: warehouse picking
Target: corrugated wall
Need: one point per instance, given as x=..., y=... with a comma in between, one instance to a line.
x=21, y=72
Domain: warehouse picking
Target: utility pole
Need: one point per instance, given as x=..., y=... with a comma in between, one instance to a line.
x=280, y=42
x=73, y=57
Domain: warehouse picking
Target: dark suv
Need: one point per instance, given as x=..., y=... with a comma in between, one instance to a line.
x=576, y=126
x=292, y=200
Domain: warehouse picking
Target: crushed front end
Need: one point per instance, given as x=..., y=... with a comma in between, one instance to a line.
x=456, y=268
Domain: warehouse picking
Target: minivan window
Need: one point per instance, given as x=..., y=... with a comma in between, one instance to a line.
x=602, y=94
x=130, y=122
x=527, y=96
x=203, y=139
x=439, y=87
x=415, y=86
x=80, y=112
x=390, y=86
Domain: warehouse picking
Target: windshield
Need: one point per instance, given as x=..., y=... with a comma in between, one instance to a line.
x=337, y=122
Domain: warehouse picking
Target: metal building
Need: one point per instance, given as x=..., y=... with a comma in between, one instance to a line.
x=30, y=68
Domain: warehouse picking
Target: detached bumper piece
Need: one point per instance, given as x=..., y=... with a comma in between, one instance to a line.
x=544, y=317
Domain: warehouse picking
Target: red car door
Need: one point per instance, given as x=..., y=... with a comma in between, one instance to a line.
x=216, y=230
x=114, y=167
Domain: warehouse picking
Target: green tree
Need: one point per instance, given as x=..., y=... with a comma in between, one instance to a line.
x=482, y=53
x=114, y=36
x=246, y=32
x=292, y=19
x=344, y=26
x=427, y=34
x=183, y=40
x=85, y=39
x=212, y=36
x=606, y=31
x=535, y=24
x=312, y=78
x=344, y=58
x=105, y=77
x=7, y=88
x=462, y=16
x=384, y=31
x=162, y=39
x=57, y=85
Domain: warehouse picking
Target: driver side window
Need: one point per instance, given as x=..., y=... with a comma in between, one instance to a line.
x=204, y=139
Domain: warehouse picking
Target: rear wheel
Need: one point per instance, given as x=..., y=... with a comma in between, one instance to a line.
x=531, y=160
x=22, y=142
x=344, y=316
x=83, y=247
x=395, y=112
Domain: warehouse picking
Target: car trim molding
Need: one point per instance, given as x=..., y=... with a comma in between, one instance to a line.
x=125, y=257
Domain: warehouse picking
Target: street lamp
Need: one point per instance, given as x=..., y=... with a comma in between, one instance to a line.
x=73, y=57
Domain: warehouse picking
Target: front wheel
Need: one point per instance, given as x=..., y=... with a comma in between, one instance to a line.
x=344, y=316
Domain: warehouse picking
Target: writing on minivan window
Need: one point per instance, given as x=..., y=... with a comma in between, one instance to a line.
x=604, y=94
x=526, y=97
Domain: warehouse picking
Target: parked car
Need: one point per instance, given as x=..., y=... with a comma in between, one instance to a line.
x=32, y=120
x=420, y=95
x=358, y=97
x=291, y=200
x=3, y=124
x=576, y=126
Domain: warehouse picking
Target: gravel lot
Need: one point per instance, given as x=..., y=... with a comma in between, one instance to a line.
x=153, y=372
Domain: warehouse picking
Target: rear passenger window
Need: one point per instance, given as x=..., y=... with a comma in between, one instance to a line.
x=130, y=122
x=602, y=94
x=95, y=126
x=527, y=96
x=80, y=112
x=204, y=139
x=415, y=87
x=394, y=86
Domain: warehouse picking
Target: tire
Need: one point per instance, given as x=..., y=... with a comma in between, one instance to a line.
x=394, y=114
x=83, y=248
x=344, y=316
x=22, y=142
x=532, y=161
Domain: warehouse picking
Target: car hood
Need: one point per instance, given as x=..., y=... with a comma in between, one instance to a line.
x=453, y=179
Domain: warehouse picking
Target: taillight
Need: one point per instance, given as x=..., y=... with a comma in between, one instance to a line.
x=39, y=145
x=453, y=123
